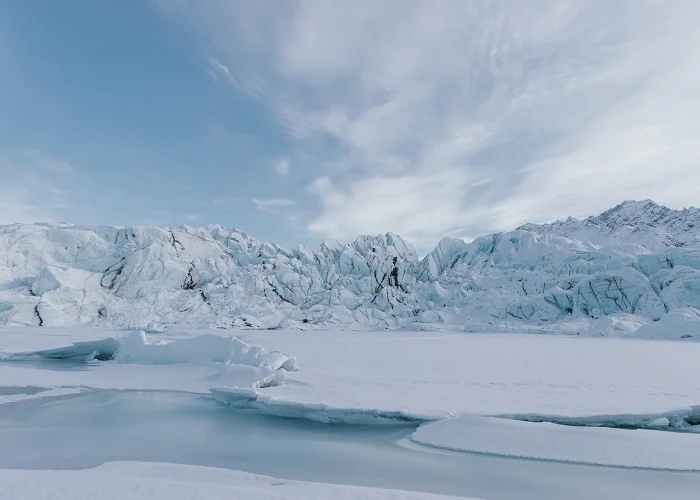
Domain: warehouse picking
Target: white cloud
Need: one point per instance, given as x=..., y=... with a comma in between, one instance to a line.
x=417, y=206
x=428, y=118
x=479, y=183
x=272, y=204
x=35, y=188
x=282, y=166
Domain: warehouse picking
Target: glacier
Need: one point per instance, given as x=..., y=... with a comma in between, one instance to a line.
x=638, y=260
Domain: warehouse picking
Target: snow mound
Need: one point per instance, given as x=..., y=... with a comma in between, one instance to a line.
x=136, y=348
x=546, y=441
x=251, y=399
x=616, y=325
x=235, y=359
x=681, y=323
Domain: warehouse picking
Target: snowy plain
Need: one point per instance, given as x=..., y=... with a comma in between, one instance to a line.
x=401, y=390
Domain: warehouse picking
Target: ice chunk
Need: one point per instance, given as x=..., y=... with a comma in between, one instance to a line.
x=135, y=347
x=617, y=325
x=251, y=399
x=102, y=350
x=546, y=441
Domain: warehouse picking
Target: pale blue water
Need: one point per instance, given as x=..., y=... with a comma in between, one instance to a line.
x=99, y=426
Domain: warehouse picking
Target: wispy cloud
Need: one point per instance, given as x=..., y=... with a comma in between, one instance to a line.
x=282, y=166
x=35, y=188
x=272, y=204
x=428, y=118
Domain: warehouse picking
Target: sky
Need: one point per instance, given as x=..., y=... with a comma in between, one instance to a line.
x=303, y=120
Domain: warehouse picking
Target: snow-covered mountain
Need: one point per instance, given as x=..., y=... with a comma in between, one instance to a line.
x=641, y=222
x=637, y=259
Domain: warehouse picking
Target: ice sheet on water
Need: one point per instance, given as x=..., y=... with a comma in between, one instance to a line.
x=547, y=441
x=251, y=399
x=135, y=347
x=17, y=394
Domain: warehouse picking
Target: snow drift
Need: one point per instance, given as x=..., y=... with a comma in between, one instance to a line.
x=251, y=399
x=637, y=259
x=239, y=364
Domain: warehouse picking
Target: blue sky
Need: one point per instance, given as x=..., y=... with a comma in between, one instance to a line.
x=302, y=120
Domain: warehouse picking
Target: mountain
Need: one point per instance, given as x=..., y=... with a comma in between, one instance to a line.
x=638, y=259
x=641, y=222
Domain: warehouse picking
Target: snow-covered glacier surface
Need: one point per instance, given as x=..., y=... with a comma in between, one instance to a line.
x=605, y=275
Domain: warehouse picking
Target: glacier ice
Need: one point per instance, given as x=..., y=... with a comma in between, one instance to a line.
x=136, y=347
x=638, y=259
x=235, y=363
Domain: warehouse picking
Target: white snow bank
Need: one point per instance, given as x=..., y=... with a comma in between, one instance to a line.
x=135, y=347
x=617, y=325
x=211, y=360
x=547, y=441
x=156, y=481
x=680, y=323
x=251, y=399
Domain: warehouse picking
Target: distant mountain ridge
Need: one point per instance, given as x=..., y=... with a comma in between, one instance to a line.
x=638, y=259
x=643, y=222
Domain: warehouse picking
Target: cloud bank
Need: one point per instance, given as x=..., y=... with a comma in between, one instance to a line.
x=454, y=117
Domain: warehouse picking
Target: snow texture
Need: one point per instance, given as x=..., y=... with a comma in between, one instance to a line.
x=156, y=481
x=637, y=259
x=434, y=374
x=546, y=441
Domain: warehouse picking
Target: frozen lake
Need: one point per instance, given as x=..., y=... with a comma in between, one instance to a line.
x=86, y=430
